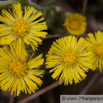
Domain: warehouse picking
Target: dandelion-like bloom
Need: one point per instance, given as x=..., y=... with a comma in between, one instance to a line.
x=96, y=46
x=22, y=27
x=18, y=73
x=69, y=60
x=75, y=24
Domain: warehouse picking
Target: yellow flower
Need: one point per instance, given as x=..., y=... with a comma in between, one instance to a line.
x=96, y=46
x=75, y=24
x=69, y=59
x=22, y=27
x=18, y=73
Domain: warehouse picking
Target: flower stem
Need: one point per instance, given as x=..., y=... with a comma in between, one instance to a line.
x=40, y=92
x=84, y=7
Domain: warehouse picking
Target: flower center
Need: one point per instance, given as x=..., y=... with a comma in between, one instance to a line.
x=20, y=28
x=69, y=58
x=99, y=50
x=74, y=24
x=18, y=68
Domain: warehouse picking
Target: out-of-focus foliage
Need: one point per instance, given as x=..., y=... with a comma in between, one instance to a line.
x=48, y=2
x=10, y=3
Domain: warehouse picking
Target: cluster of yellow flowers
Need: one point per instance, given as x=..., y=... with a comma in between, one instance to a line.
x=18, y=72
x=68, y=57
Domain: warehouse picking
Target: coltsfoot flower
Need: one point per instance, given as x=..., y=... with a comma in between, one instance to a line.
x=18, y=73
x=22, y=27
x=69, y=60
x=96, y=46
x=75, y=24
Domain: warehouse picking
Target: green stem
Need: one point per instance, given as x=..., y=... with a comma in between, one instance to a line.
x=35, y=5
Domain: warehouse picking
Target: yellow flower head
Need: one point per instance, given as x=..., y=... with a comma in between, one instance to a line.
x=75, y=24
x=96, y=46
x=22, y=27
x=18, y=73
x=69, y=59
